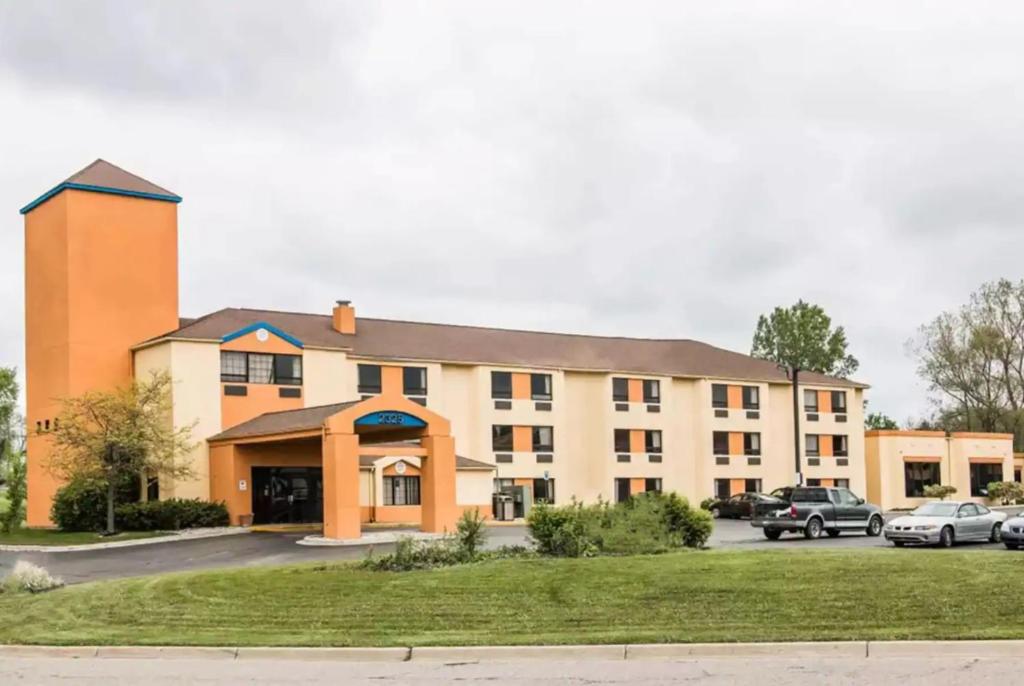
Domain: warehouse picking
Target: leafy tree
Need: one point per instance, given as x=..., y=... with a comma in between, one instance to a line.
x=12, y=450
x=878, y=420
x=1006, y=492
x=802, y=337
x=125, y=432
x=939, y=491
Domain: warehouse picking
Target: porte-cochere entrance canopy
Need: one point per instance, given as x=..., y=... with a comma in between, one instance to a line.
x=331, y=436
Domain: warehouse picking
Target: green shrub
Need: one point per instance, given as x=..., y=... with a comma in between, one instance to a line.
x=171, y=515
x=562, y=531
x=939, y=491
x=411, y=554
x=707, y=503
x=81, y=504
x=471, y=532
x=1005, y=492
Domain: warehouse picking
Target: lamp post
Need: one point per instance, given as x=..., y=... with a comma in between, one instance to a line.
x=793, y=374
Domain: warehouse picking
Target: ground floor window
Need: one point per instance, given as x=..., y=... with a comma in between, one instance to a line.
x=982, y=474
x=842, y=483
x=1016, y=474
x=544, y=491
x=752, y=485
x=153, y=488
x=622, y=490
x=918, y=475
x=401, y=490
x=652, y=485
x=723, y=489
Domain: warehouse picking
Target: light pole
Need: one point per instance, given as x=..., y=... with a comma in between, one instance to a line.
x=793, y=374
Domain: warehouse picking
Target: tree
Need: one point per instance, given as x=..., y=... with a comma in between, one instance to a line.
x=973, y=361
x=878, y=420
x=939, y=491
x=125, y=432
x=12, y=450
x=1006, y=492
x=802, y=337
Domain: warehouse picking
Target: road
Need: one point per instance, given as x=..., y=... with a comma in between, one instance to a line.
x=708, y=672
x=258, y=549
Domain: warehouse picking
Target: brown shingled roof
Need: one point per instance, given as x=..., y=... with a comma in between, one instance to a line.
x=285, y=421
x=402, y=340
x=104, y=174
x=461, y=463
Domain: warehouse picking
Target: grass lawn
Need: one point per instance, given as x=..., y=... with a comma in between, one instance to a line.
x=691, y=596
x=52, y=537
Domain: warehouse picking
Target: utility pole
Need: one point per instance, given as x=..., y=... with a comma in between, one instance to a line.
x=793, y=373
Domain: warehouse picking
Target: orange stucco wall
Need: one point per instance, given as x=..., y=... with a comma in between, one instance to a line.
x=522, y=439
x=824, y=401
x=735, y=396
x=520, y=386
x=735, y=443
x=101, y=274
x=636, y=390
x=825, y=445
x=636, y=441
x=259, y=398
x=390, y=380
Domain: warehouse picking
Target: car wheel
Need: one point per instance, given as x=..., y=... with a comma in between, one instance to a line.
x=772, y=534
x=715, y=513
x=898, y=544
x=1010, y=546
x=946, y=537
x=812, y=528
x=832, y=532
x=997, y=534
x=875, y=526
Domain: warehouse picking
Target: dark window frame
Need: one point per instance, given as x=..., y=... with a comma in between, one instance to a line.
x=649, y=397
x=749, y=404
x=616, y=434
x=649, y=445
x=549, y=491
x=838, y=440
x=369, y=387
x=408, y=490
x=807, y=445
x=414, y=390
x=620, y=397
x=534, y=395
x=501, y=394
x=978, y=468
x=497, y=435
x=839, y=394
x=810, y=407
x=652, y=485
x=748, y=440
x=535, y=442
x=717, y=486
x=915, y=483
x=715, y=442
x=752, y=485
x=724, y=401
x=276, y=361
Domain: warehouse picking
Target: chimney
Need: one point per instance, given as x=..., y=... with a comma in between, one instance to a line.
x=344, y=317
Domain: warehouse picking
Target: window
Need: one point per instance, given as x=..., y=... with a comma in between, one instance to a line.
x=917, y=475
x=620, y=390
x=233, y=367
x=652, y=440
x=153, y=488
x=840, y=446
x=414, y=380
x=652, y=391
x=982, y=474
x=288, y=370
x=751, y=398
x=543, y=439
x=544, y=491
x=369, y=378
x=722, y=489
x=501, y=438
x=846, y=497
x=811, y=442
x=1016, y=474
x=261, y=368
x=652, y=485
x=719, y=395
x=813, y=482
x=968, y=510
x=504, y=485
x=752, y=485
x=622, y=490
x=540, y=386
x=401, y=490
x=622, y=440
x=720, y=443
x=751, y=444
x=501, y=385
x=841, y=483
x=810, y=401
x=839, y=402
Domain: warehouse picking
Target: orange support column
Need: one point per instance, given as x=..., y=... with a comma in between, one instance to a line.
x=437, y=485
x=341, y=485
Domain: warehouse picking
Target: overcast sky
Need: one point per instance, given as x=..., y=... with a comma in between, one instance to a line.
x=659, y=170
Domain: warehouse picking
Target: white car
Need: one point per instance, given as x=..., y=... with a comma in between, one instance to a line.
x=945, y=522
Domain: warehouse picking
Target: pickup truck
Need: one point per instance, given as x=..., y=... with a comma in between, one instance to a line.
x=813, y=510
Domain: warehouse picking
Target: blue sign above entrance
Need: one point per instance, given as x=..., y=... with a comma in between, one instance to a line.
x=390, y=418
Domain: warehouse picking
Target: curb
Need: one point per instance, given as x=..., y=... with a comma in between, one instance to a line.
x=473, y=654
x=173, y=538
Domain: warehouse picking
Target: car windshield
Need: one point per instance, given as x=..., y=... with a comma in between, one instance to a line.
x=936, y=510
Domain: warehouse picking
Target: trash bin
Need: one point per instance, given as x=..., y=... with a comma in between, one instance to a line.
x=503, y=507
x=245, y=520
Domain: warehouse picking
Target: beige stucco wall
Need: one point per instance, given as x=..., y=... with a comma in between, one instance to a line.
x=327, y=377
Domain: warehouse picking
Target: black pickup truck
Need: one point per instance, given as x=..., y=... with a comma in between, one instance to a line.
x=813, y=510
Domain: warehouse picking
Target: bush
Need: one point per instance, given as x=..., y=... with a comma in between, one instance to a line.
x=1005, y=492
x=707, y=503
x=647, y=523
x=81, y=504
x=470, y=532
x=27, y=577
x=939, y=491
x=171, y=515
x=411, y=554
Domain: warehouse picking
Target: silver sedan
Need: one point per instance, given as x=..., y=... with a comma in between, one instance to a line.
x=944, y=523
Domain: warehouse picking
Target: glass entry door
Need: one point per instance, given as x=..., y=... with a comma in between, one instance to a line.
x=287, y=495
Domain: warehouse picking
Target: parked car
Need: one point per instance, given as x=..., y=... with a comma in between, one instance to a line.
x=945, y=522
x=784, y=493
x=1012, y=532
x=813, y=510
x=740, y=505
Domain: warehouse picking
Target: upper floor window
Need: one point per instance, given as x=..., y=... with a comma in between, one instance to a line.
x=811, y=445
x=751, y=398
x=652, y=485
x=810, y=401
x=501, y=385
x=242, y=367
x=840, y=446
x=622, y=440
x=652, y=441
x=543, y=439
x=620, y=389
x=540, y=386
x=369, y=378
x=839, y=402
x=720, y=442
x=414, y=380
x=752, y=444
x=652, y=391
x=501, y=437
x=719, y=395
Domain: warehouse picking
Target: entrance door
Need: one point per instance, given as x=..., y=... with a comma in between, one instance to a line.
x=287, y=495
x=622, y=490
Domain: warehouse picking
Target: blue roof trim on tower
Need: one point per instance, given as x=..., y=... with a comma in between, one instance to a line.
x=263, y=325
x=95, y=189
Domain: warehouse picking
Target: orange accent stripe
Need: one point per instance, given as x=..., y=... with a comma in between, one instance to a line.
x=735, y=397
x=824, y=401
x=737, y=486
x=522, y=439
x=825, y=445
x=520, y=386
x=930, y=459
x=985, y=460
x=735, y=443
x=636, y=441
x=390, y=380
x=636, y=390
x=985, y=436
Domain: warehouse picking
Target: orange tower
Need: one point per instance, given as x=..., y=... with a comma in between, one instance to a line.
x=101, y=274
